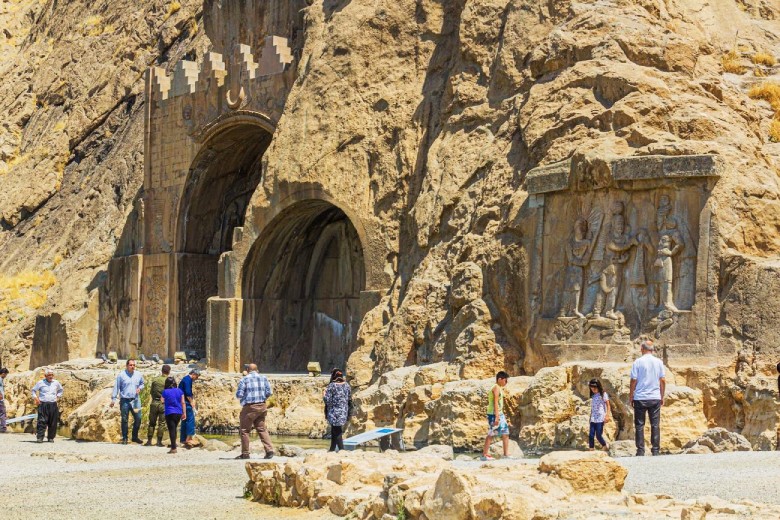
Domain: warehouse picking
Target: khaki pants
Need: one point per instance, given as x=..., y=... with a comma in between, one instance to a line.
x=253, y=416
x=156, y=418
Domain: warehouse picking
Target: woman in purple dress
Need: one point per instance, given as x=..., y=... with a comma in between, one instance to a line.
x=337, y=404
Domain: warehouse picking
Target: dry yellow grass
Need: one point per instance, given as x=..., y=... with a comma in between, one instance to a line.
x=21, y=293
x=93, y=26
x=764, y=58
x=172, y=9
x=774, y=131
x=731, y=63
x=769, y=92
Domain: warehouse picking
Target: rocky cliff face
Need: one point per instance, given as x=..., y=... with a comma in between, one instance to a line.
x=447, y=105
x=71, y=149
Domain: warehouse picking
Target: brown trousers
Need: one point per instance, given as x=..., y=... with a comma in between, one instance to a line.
x=253, y=416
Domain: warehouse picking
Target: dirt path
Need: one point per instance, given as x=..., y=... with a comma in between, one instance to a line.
x=80, y=480
x=86, y=480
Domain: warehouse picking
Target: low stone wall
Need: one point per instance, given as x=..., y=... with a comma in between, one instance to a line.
x=389, y=486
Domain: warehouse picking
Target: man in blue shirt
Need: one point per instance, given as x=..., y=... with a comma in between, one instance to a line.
x=253, y=391
x=188, y=424
x=127, y=387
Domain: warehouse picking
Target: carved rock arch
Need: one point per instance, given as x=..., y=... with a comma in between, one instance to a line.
x=216, y=193
x=302, y=283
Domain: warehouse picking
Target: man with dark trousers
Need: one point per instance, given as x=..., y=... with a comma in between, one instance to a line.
x=127, y=388
x=156, y=407
x=188, y=424
x=646, y=396
x=46, y=393
x=3, y=373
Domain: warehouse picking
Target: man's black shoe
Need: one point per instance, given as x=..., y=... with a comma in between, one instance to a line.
x=51, y=440
x=39, y=441
x=138, y=441
x=124, y=441
x=269, y=455
x=243, y=456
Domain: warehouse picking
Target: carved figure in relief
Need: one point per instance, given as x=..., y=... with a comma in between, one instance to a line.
x=672, y=238
x=578, y=252
x=607, y=296
x=664, y=274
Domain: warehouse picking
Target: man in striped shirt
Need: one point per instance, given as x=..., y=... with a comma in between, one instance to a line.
x=253, y=391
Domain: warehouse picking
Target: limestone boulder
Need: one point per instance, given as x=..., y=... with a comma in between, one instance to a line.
x=497, y=449
x=586, y=472
x=626, y=448
x=438, y=450
x=717, y=440
x=96, y=420
x=682, y=418
x=451, y=498
x=760, y=411
x=458, y=417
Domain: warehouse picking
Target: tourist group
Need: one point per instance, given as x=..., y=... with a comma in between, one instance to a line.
x=173, y=403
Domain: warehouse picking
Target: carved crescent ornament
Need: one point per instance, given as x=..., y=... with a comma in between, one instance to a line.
x=237, y=103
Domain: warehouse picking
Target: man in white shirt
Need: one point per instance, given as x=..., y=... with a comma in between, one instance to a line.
x=648, y=385
x=46, y=393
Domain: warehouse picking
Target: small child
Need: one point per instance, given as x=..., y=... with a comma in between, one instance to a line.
x=599, y=413
x=497, y=425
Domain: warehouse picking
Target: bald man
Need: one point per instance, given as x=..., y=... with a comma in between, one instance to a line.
x=253, y=391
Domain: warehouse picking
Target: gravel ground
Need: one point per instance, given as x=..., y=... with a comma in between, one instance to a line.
x=91, y=480
x=732, y=476
x=86, y=480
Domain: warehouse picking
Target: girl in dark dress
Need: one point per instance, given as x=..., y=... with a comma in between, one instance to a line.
x=337, y=399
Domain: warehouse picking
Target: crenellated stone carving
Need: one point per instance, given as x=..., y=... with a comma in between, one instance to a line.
x=275, y=56
x=185, y=78
x=238, y=72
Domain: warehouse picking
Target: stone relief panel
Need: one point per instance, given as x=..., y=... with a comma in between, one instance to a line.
x=620, y=261
x=629, y=257
x=155, y=309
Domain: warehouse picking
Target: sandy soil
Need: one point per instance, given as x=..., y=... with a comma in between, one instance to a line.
x=85, y=480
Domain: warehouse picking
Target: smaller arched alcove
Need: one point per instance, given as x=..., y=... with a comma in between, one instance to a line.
x=301, y=289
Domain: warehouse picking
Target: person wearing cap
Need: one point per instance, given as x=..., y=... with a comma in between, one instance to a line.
x=3, y=373
x=127, y=387
x=46, y=393
x=188, y=421
x=253, y=391
x=648, y=385
x=156, y=407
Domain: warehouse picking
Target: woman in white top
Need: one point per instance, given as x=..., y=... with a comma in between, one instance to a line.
x=599, y=413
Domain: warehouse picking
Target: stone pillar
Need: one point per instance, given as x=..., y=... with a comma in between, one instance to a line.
x=157, y=284
x=223, y=318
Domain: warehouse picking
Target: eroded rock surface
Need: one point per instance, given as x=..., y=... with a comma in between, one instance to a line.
x=374, y=486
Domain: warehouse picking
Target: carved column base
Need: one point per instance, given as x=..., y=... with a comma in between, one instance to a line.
x=222, y=334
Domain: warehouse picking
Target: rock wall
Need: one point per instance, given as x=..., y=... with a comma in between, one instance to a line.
x=435, y=121
x=390, y=486
x=551, y=409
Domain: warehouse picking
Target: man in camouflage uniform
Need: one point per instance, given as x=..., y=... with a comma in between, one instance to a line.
x=156, y=407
